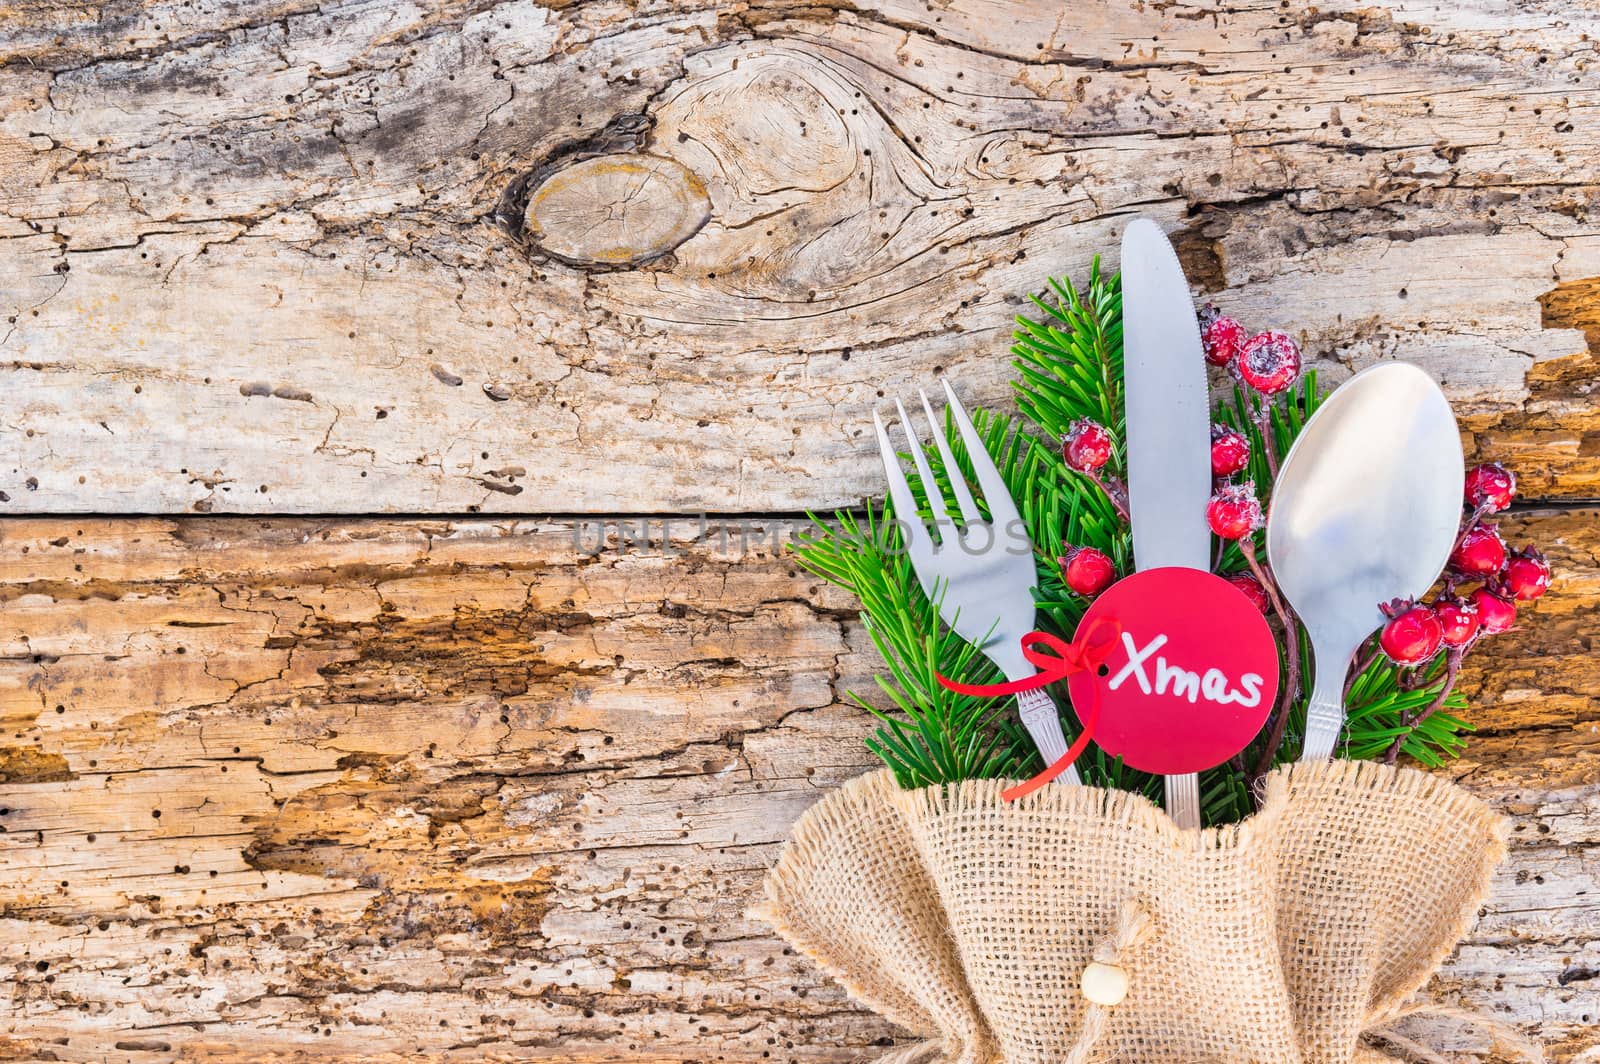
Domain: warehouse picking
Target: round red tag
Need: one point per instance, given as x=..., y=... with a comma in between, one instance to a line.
x=1192, y=677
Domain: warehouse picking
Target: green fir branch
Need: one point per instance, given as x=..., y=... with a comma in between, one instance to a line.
x=1069, y=366
x=928, y=734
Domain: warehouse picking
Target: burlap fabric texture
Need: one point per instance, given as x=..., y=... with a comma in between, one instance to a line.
x=1296, y=936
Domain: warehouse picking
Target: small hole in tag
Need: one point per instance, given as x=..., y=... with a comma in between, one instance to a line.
x=1103, y=670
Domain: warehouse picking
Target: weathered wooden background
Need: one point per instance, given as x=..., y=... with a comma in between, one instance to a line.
x=422, y=772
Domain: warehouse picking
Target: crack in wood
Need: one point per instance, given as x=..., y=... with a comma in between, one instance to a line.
x=399, y=763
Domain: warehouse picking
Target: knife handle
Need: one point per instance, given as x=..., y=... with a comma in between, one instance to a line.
x=1043, y=721
x=1183, y=799
x=1324, y=716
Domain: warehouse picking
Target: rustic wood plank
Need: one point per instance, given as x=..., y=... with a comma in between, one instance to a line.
x=270, y=257
x=479, y=789
x=460, y=789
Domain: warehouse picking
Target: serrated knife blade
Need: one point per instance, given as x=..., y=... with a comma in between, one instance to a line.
x=1168, y=429
x=1167, y=405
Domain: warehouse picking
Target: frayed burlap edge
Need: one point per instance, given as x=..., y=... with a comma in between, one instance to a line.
x=1124, y=808
x=1409, y=784
x=867, y=796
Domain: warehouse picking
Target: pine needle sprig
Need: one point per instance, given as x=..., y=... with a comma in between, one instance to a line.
x=1069, y=366
x=931, y=734
x=927, y=734
x=1377, y=706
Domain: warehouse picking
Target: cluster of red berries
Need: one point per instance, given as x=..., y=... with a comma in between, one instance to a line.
x=1087, y=448
x=1416, y=631
x=1268, y=362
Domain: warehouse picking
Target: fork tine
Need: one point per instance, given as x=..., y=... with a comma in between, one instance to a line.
x=1002, y=510
x=905, y=506
x=958, y=482
x=930, y=487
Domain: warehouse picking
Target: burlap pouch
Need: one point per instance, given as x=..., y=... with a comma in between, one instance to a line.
x=1298, y=935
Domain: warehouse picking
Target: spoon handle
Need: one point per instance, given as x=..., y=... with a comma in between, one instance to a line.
x=1324, y=715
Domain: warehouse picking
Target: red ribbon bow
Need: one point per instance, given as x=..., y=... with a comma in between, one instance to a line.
x=1082, y=655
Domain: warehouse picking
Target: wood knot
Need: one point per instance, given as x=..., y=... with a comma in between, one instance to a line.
x=616, y=210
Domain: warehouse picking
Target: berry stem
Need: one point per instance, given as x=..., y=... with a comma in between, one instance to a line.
x=1360, y=666
x=1114, y=491
x=1291, y=629
x=1411, y=678
x=1471, y=522
x=1269, y=443
x=1451, y=668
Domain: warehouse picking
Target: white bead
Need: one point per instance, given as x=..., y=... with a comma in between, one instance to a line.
x=1105, y=984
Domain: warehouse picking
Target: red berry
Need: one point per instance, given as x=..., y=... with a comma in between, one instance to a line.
x=1234, y=511
x=1268, y=362
x=1491, y=486
x=1086, y=570
x=1252, y=589
x=1527, y=575
x=1481, y=552
x=1496, y=613
x=1087, y=446
x=1412, y=635
x=1221, y=337
x=1458, y=620
x=1230, y=451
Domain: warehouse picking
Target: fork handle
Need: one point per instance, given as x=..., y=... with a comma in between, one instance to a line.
x=1043, y=721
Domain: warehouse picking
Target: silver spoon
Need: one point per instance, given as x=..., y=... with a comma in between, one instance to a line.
x=1366, y=509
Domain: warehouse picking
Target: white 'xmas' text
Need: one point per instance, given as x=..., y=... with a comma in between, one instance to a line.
x=1184, y=683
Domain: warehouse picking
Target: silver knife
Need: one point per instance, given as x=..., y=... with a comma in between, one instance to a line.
x=1168, y=413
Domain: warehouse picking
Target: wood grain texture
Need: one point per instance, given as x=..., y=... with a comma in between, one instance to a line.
x=272, y=256
x=500, y=789
x=420, y=789
x=618, y=210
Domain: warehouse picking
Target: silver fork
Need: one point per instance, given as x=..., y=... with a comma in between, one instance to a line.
x=980, y=573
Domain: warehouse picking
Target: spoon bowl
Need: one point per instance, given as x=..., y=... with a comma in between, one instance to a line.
x=1366, y=509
